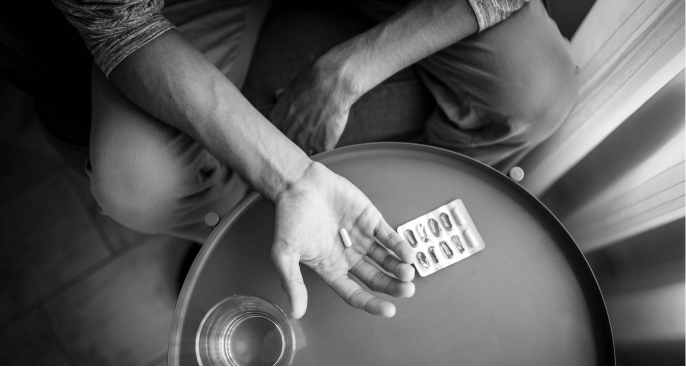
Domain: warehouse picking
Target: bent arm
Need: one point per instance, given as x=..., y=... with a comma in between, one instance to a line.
x=160, y=72
x=420, y=29
x=172, y=81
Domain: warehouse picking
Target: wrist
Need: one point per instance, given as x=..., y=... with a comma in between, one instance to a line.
x=344, y=79
x=290, y=177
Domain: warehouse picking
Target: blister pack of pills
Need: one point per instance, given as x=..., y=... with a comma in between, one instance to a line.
x=442, y=237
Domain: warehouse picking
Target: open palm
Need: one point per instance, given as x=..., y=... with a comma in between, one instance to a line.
x=308, y=218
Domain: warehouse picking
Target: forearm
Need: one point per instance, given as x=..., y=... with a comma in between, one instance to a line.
x=172, y=81
x=416, y=31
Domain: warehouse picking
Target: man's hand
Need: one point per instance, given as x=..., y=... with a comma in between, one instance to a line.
x=309, y=215
x=177, y=85
x=169, y=79
x=313, y=110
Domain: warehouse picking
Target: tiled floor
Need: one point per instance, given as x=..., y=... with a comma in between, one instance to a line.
x=75, y=286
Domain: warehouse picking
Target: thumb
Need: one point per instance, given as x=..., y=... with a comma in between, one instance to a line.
x=288, y=266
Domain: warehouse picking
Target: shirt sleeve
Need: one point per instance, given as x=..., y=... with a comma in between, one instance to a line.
x=114, y=29
x=491, y=12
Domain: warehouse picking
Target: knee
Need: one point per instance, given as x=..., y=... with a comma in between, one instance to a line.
x=136, y=190
x=549, y=96
x=540, y=77
x=138, y=165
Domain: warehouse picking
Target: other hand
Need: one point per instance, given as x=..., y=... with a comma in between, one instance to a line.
x=313, y=110
x=309, y=215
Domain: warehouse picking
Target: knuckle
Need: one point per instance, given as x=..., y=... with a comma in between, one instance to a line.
x=352, y=298
x=388, y=263
x=389, y=239
x=374, y=251
x=376, y=281
x=286, y=282
x=356, y=267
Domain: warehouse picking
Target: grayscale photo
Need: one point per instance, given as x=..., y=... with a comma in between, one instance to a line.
x=342, y=182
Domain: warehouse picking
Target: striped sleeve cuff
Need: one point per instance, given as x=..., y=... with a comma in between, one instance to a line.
x=491, y=12
x=108, y=55
x=114, y=29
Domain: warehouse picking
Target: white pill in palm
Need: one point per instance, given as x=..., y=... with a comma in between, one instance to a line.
x=345, y=237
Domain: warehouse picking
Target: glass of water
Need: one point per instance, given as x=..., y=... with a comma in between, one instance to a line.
x=245, y=331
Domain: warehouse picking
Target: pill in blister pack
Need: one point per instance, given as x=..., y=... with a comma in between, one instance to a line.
x=451, y=236
x=421, y=259
x=445, y=219
x=446, y=250
x=435, y=229
x=456, y=242
x=422, y=233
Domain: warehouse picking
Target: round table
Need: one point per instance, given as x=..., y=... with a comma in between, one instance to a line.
x=528, y=298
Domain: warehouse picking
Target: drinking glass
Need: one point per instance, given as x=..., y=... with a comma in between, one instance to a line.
x=245, y=330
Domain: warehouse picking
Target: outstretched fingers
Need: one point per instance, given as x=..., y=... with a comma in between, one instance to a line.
x=357, y=297
x=394, y=242
x=378, y=281
x=390, y=263
x=287, y=265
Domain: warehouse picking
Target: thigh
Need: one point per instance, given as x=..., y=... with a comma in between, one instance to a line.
x=499, y=92
x=506, y=69
x=131, y=152
x=149, y=176
x=502, y=91
x=225, y=31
